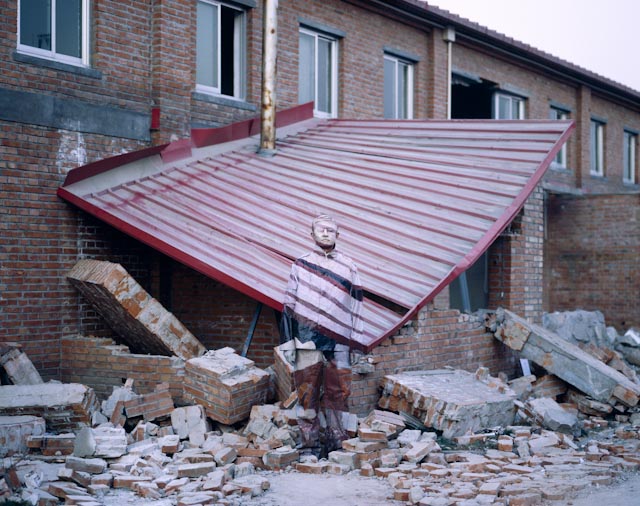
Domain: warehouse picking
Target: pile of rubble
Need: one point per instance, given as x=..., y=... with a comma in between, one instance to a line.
x=180, y=457
x=440, y=438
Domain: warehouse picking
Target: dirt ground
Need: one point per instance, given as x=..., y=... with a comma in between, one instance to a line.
x=626, y=492
x=297, y=489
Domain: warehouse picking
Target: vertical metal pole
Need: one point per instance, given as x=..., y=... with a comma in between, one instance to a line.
x=269, y=57
x=252, y=329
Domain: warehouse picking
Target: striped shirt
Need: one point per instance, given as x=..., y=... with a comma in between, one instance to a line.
x=323, y=301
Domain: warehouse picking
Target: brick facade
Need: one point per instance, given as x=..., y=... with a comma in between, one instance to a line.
x=591, y=254
x=109, y=113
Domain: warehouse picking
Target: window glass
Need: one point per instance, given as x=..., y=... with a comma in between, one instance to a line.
x=69, y=27
x=35, y=23
x=389, y=88
x=398, y=88
x=508, y=106
x=317, y=72
x=325, y=75
x=54, y=29
x=561, y=157
x=220, y=49
x=597, y=148
x=207, y=45
x=306, y=69
x=629, y=157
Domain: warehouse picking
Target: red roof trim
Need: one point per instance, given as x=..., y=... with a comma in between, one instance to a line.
x=241, y=130
x=167, y=249
x=488, y=239
x=106, y=164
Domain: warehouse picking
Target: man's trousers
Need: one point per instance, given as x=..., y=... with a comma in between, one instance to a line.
x=323, y=380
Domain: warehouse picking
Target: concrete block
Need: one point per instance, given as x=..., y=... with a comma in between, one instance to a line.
x=454, y=402
x=551, y=415
x=195, y=470
x=16, y=431
x=17, y=365
x=188, y=421
x=139, y=319
x=89, y=466
x=103, y=441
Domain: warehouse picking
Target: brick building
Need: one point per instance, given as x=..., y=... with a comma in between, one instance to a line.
x=109, y=78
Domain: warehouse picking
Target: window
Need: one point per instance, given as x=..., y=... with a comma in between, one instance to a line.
x=55, y=29
x=629, y=157
x=508, y=106
x=317, y=72
x=560, y=160
x=398, y=88
x=220, y=49
x=597, y=148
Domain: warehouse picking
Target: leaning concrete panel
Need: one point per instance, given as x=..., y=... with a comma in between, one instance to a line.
x=64, y=406
x=452, y=401
x=140, y=320
x=565, y=360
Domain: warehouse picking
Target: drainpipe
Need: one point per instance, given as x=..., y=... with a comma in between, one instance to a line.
x=268, y=109
x=449, y=36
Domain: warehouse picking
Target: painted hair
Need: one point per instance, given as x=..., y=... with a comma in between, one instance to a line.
x=323, y=217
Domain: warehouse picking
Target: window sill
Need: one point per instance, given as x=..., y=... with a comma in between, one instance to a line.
x=55, y=65
x=223, y=100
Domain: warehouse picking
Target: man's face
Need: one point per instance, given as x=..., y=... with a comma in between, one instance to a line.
x=325, y=233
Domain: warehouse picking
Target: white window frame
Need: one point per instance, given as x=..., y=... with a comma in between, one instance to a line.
x=630, y=159
x=239, y=51
x=596, y=146
x=400, y=63
x=333, y=65
x=515, y=105
x=560, y=161
x=52, y=54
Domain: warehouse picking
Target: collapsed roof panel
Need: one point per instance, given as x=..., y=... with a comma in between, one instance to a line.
x=418, y=201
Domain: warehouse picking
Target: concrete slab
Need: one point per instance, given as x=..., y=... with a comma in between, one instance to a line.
x=64, y=406
x=452, y=401
x=565, y=360
x=139, y=319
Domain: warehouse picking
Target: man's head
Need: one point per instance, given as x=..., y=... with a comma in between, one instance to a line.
x=324, y=231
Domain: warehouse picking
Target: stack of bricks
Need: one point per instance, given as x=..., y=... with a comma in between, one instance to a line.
x=453, y=401
x=64, y=406
x=150, y=406
x=139, y=319
x=225, y=384
x=283, y=372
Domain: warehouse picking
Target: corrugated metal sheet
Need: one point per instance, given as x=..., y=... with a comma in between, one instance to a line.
x=417, y=201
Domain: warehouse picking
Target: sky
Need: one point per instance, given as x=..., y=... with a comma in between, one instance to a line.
x=600, y=36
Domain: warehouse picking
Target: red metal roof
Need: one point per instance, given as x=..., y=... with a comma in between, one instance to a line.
x=417, y=201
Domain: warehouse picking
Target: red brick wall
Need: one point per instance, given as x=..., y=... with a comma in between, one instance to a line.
x=220, y=316
x=102, y=364
x=591, y=256
x=41, y=236
x=436, y=339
